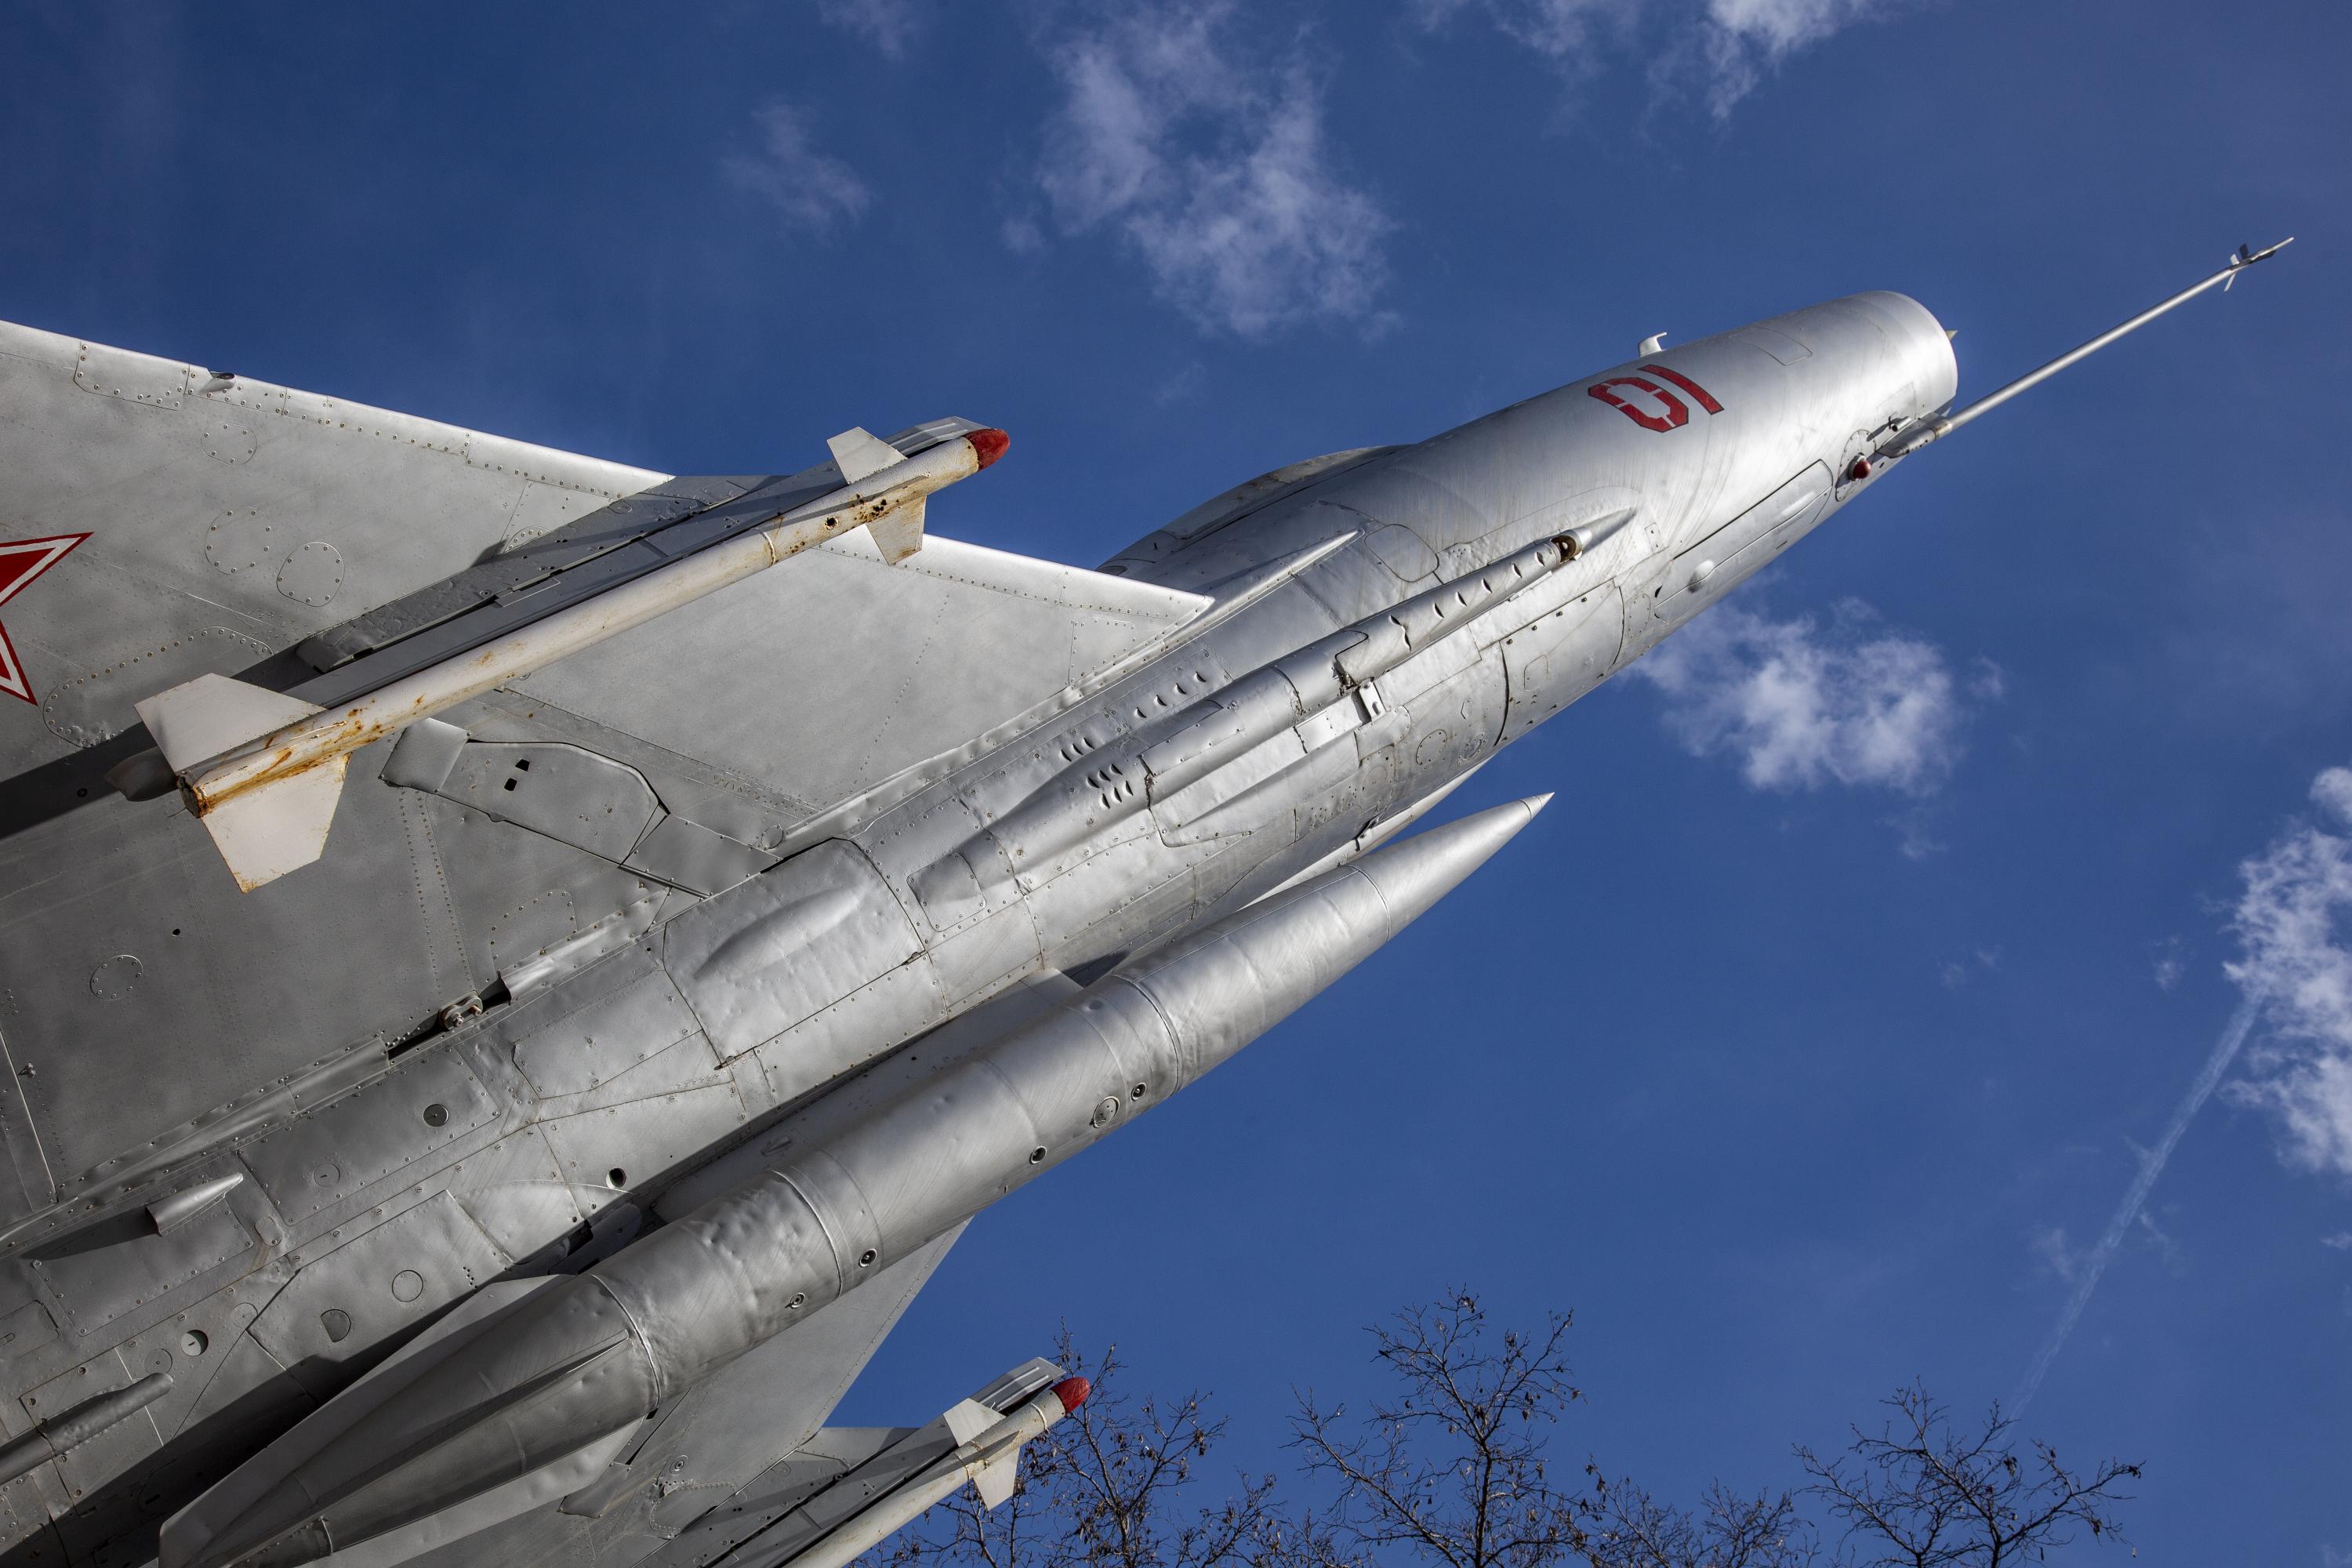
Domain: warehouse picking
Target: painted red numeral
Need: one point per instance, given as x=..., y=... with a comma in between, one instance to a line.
x=1676, y=412
x=1687, y=384
x=1673, y=411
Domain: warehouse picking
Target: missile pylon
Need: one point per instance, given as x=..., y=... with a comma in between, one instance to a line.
x=502, y=1413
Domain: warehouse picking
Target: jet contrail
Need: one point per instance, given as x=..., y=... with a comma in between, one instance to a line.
x=2225, y=1050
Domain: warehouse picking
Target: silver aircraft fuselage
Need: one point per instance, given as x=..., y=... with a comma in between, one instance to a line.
x=921, y=1007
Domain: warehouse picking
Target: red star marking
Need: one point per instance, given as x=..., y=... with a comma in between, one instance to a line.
x=21, y=561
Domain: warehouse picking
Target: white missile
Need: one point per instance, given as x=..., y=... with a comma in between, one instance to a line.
x=988, y=1455
x=264, y=770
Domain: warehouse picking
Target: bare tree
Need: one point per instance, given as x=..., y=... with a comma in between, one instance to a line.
x=1923, y=1494
x=1451, y=1468
x=1109, y=1486
x=1728, y=1530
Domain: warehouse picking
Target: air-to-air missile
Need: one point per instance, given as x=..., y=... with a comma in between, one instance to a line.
x=984, y=1438
x=482, y=1287
x=264, y=770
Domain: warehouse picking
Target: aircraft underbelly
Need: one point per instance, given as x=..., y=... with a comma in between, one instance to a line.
x=602, y=978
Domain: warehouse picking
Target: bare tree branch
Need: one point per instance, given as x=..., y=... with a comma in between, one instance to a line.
x=1923, y=1494
x=1729, y=1531
x=1451, y=1468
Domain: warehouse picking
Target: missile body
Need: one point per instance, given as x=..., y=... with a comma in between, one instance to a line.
x=587, y=1357
x=264, y=769
x=308, y=742
x=987, y=1459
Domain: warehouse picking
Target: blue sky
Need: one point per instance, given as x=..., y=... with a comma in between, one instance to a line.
x=1810, y=1041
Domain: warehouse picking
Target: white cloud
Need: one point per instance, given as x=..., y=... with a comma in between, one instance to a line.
x=2171, y=964
x=2050, y=1248
x=1730, y=45
x=1745, y=39
x=1563, y=31
x=1800, y=705
x=813, y=191
x=2161, y=1239
x=2294, y=924
x=1212, y=166
x=887, y=25
x=1956, y=973
x=2333, y=790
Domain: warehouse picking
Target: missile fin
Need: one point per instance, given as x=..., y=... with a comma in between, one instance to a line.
x=859, y=452
x=993, y=1480
x=969, y=1419
x=198, y=721
x=901, y=534
x=263, y=833
x=277, y=827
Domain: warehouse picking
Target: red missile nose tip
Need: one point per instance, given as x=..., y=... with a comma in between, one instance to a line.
x=988, y=444
x=1072, y=1391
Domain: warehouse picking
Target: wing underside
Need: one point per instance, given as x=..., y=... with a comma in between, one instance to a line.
x=299, y=543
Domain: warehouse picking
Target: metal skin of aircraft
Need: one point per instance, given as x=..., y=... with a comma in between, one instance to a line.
x=514, y=969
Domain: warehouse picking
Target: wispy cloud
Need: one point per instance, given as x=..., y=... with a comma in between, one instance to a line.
x=2084, y=1272
x=1209, y=164
x=1801, y=704
x=1957, y=974
x=1746, y=40
x=887, y=25
x=1729, y=45
x=2294, y=921
x=1564, y=32
x=2161, y=1239
x=2296, y=971
x=816, y=194
x=2049, y=1246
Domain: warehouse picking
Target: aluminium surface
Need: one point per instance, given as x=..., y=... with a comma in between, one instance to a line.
x=502, y=1064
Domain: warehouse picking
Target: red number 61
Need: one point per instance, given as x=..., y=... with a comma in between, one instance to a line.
x=1677, y=413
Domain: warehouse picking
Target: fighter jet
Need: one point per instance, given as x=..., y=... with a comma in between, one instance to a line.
x=515, y=969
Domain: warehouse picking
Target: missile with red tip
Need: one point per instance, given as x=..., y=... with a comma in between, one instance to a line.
x=262, y=769
x=987, y=1454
